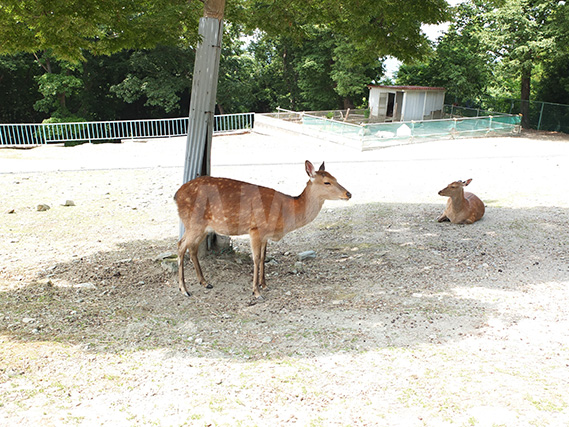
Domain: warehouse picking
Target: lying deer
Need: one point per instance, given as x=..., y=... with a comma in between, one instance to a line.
x=233, y=208
x=462, y=207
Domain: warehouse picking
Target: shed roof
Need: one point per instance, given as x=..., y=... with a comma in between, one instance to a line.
x=409, y=88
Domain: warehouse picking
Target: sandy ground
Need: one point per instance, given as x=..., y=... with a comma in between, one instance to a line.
x=398, y=321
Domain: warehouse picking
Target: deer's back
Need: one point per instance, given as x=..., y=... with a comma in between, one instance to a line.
x=232, y=207
x=473, y=209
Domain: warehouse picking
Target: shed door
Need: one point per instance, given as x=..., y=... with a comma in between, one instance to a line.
x=382, y=107
x=398, y=106
x=390, y=104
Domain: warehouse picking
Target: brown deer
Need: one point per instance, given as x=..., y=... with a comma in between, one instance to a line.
x=233, y=208
x=462, y=207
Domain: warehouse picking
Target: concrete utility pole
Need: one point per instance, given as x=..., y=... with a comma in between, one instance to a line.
x=204, y=89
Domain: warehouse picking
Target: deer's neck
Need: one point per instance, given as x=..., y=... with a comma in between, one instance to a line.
x=307, y=206
x=458, y=202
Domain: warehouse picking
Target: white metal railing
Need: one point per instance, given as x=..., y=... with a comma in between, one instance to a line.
x=43, y=133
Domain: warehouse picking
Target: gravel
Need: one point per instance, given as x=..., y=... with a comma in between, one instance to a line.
x=396, y=320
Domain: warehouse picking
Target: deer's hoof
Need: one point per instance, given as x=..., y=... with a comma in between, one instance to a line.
x=256, y=299
x=209, y=286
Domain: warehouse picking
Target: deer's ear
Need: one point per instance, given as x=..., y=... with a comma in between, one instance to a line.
x=310, y=169
x=468, y=181
x=321, y=168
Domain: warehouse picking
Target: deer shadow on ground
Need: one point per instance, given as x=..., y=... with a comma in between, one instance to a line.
x=384, y=275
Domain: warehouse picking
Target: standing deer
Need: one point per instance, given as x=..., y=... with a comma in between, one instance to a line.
x=462, y=207
x=233, y=208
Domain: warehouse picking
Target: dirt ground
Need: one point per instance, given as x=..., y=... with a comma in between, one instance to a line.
x=397, y=321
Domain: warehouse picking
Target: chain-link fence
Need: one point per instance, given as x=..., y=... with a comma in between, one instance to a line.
x=540, y=115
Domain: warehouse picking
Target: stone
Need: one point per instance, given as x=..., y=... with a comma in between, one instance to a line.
x=170, y=265
x=86, y=285
x=298, y=267
x=43, y=208
x=165, y=255
x=306, y=255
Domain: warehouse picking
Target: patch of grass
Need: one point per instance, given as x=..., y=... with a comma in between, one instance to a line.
x=553, y=404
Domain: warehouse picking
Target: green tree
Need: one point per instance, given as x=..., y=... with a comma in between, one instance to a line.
x=19, y=88
x=236, y=74
x=60, y=81
x=72, y=30
x=160, y=76
x=520, y=35
x=459, y=62
x=353, y=68
x=61, y=34
x=554, y=84
x=384, y=28
x=325, y=71
x=68, y=29
x=272, y=85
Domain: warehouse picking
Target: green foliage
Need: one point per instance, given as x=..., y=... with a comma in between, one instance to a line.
x=460, y=64
x=554, y=83
x=70, y=28
x=326, y=71
x=518, y=33
x=495, y=48
x=53, y=132
x=385, y=28
x=98, y=55
x=19, y=89
x=55, y=87
x=311, y=67
x=554, y=86
x=159, y=76
x=352, y=70
x=236, y=74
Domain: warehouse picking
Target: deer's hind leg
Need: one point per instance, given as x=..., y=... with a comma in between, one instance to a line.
x=262, y=281
x=190, y=241
x=258, y=249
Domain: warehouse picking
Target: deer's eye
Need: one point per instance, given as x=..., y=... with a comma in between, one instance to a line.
x=327, y=183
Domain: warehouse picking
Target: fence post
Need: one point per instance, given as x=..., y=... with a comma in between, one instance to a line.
x=540, y=116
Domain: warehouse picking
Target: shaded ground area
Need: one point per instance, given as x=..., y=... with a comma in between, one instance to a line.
x=398, y=320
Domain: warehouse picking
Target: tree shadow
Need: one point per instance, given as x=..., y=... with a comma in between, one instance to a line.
x=384, y=275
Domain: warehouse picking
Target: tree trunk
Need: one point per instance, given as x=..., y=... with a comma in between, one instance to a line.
x=524, y=106
x=348, y=104
x=214, y=9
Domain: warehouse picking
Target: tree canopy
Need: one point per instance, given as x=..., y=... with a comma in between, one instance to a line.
x=326, y=52
x=500, y=49
x=70, y=28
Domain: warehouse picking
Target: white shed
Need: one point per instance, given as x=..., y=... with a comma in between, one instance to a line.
x=405, y=103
